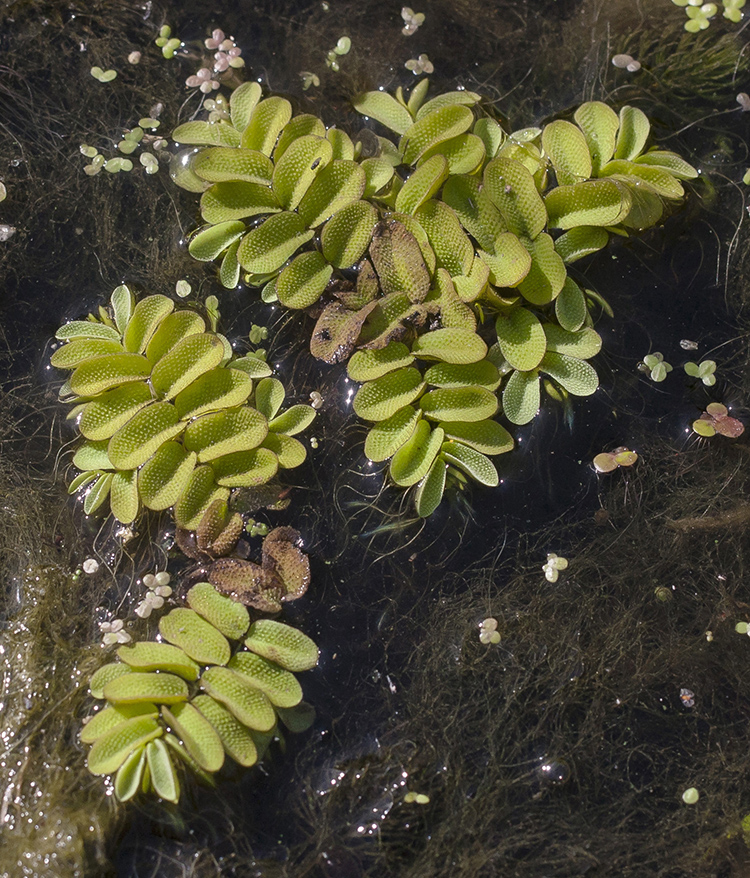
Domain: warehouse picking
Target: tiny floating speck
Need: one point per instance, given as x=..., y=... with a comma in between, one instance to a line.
x=553, y=566
x=103, y=75
x=422, y=64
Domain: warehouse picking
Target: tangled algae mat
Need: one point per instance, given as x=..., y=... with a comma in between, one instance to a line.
x=565, y=748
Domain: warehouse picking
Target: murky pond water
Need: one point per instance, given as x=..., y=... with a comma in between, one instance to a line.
x=563, y=749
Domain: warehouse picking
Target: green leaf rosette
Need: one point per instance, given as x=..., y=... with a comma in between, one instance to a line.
x=169, y=417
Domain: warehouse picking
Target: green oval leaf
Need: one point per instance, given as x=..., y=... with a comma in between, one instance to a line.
x=147, y=316
x=489, y=437
x=297, y=168
x=387, y=436
x=149, y=656
x=282, y=644
x=200, y=492
x=175, y=327
x=102, y=417
x=245, y=468
x=434, y=127
x=512, y=189
x=547, y=274
x=521, y=397
x=584, y=344
x=521, y=338
x=195, y=636
x=378, y=174
x=299, y=126
x=104, y=675
x=348, y=233
x=633, y=133
x=86, y=329
x=267, y=247
x=112, y=716
x=220, y=165
x=303, y=281
x=235, y=737
x=412, y=461
x=368, y=365
x=481, y=374
x=200, y=133
x=452, y=344
x=430, y=490
x=208, y=244
x=576, y=376
x=568, y=151
x=164, y=477
x=161, y=771
x=509, y=263
x=288, y=451
x=459, y=404
x=452, y=247
x=422, y=184
x=130, y=774
x=124, y=501
x=294, y=420
x=474, y=209
x=137, y=686
x=266, y=123
x=338, y=185
x=379, y=399
x=280, y=686
x=227, y=202
x=76, y=352
x=99, y=374
x=218, y=388
x=228, y=616
x=570, y=306
x=580, y=242
x=384, y=108
x=132, y=445
x=97, y=493
x=113, y=748
x=599, y=124
x=197, y=734
x=247, y=703
x=242, y=102
x=221, y=433
x=187, y=360
x=472, y=462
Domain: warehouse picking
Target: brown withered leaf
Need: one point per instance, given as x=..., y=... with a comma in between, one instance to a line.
x=392, y=318
x=398, y=260
x=285, y=563
x=218, y=532
x=244, y=581
x=336, y=332
x=367, y=288
x=272, y=495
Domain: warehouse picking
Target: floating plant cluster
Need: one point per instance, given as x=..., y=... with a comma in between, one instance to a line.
x=169, y=416
x=410, y=252
x=700, y=14
x=196, y=696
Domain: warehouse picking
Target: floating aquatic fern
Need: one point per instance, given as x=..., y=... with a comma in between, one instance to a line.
x=196, y=696
x=453, y=223
x=170, y=418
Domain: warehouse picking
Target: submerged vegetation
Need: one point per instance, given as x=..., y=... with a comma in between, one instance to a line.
x=478, y=711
